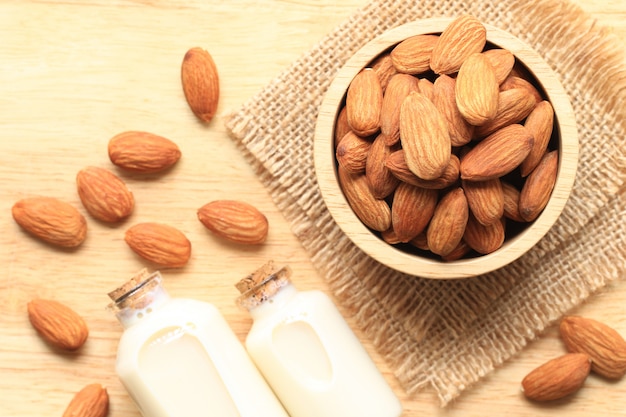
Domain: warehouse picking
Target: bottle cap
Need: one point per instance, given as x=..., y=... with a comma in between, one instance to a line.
x=262, y=284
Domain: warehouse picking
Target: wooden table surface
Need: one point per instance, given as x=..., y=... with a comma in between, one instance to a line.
x=73, y=74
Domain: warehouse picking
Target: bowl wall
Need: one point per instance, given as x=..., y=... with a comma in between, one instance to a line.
x=415, y=264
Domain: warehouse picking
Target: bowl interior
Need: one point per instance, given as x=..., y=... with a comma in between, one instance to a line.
x=416, y=263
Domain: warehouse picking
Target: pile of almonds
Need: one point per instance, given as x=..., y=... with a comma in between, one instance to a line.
x=443, y=140
x=106, y=197
x=592, y=347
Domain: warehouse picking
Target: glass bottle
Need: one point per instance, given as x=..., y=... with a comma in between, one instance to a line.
x=307, y=352
x=179, y=358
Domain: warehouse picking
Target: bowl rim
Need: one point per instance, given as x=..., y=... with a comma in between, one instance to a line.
x=376, y=248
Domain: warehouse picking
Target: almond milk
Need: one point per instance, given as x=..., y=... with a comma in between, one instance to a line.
x=179, y=357
x=307, y=352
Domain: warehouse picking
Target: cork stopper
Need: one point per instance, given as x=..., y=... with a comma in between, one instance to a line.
x=262, y=284
x=143, y=281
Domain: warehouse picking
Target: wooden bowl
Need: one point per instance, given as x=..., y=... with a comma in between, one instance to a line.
x=415, y=262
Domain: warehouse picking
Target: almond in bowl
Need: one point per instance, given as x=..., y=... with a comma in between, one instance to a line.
x=446, y=148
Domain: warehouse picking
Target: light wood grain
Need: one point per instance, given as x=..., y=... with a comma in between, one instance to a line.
x=75, y=73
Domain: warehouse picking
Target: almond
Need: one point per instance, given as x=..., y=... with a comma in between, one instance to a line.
x=104, y=194
x=513, y=107
x=420, y=241
x=159, y=243
x=540, y=124
x=364, y=101
x=457, y=253
x=557, y=378
x=341, y=126
x=400, y=86
x=411, y=210
x=603, y=344
x=58, y=324
x=484, y=239
x=374, y=213
x=91, y=401
x=514, y=81
x=234, y=220
x=352, y=151
x=412, y=55
x=396, y=163
x=424, y=137
x=444, y=98
x=448, y=222
x=463, y=37
x=380, y=179
x=383, y=66
x=477, y=90
x=485, y=199
x=51, y=220
x=511, y=202
x=142, y=152
x=502, y=61
x=498, y=154
x=427, y=88
x=390, y=236
x=537, y=189
x=200, y=82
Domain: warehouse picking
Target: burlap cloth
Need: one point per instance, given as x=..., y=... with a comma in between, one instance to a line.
x=449, y=334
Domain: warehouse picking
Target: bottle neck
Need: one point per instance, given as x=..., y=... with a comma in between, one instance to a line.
x=274, y=303
x=138, y=297
x=266, y=290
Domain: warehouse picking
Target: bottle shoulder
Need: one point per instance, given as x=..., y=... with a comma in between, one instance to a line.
x=177, y=311
x=308, y=306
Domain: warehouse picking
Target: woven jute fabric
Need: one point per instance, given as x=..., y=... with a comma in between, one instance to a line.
x=447, y=334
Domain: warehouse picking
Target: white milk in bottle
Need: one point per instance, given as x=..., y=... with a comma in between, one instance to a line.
x=179, y=357
x=307, y=352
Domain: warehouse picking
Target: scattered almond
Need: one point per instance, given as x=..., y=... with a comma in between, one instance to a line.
x=234, y=220
x=142, y=152
x=58, y=324
x=91, y=401
x=104, y=194
x=200, y=82
x=603, y=344
x=51, y=220
x=159, y=243
x=557, y=378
